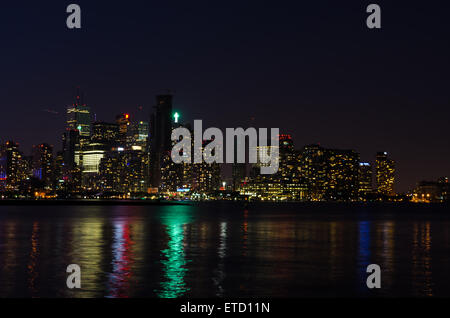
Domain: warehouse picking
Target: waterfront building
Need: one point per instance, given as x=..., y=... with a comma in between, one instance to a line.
x=384, y=174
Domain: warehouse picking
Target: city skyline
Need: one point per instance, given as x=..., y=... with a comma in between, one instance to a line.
x=133, y=156
x=140, y=115
x=315, y=71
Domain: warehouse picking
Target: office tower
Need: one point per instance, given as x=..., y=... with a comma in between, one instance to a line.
x=313, y=169
x=79, y=117
x=59, y=171
x=286, y=183
x=70, y=139
x=90, y=152
x=342, y=175
x=365, y=178
x=136, y=165
x=384, y=173
x=123, y=123
x=171, y=175
x=111, y=171
x=106, y=133
x=13, y=167
x=124, y=171
x=239, y=173
x=177, y=176
x=138, y=135
x=288, y=169
x=42, y=164
x=205, y=176
x=160, y=136
x=88, y=156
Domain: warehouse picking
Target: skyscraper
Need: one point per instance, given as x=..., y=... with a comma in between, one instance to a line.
x=13, y=168
x=313, y=169
x=342, y=182
x=123, y=123
x=42, y=164
x=385, y=173
x=79, y=116
x=365, y=178
x=160, y=136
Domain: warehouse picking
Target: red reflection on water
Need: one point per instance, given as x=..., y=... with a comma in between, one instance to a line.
x=123, y=260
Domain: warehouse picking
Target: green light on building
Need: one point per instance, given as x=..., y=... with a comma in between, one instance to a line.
x=176, y=116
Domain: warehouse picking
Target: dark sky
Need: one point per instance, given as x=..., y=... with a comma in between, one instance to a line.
x=311, y=68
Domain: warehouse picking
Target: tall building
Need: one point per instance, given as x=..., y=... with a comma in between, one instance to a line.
x=160, y=136
x=342, y=175
x=286, y=184
x=365, y=178
x=123, y=123
x=384, y=173
x=106, y=133
x=13, y=167
x=79, y=117
x=239, y=173
x=205, y=176
x=90, y=152
x=313, y=166
x=70, y=139
x=138, y=135
x=42, y=164
x=123, y=171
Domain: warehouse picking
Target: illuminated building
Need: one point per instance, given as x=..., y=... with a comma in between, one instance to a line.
x=59, y=172
x=88, y=156
x=160, y=136
x=342, y=175
x=239, y=170
x=138, y=135
x=239, y=174
x=42, y=164
x=79, y=117
x=136, y=170
x=123, y=122
x=13, y=167
x=384, y=174
x=70, y=139
x=365, y=178
x=445, y=188
x=89, y=152
x=112, y=171
x=124, y=171
x=286, y=184
x=205, y=176
x=106, y=133
x=171, y=175
x=313, y=169
x=431, y=191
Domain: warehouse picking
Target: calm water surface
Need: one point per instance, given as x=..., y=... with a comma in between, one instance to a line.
x=223, y=249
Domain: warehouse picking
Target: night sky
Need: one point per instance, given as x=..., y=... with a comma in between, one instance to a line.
x=311, y=68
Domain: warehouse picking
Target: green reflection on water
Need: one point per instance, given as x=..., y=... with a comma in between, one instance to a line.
x=174, y=261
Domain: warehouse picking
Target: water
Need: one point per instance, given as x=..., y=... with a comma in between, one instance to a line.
x=223, y=250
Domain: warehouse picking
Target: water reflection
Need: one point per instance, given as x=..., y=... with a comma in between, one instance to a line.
x=421, y=259
x=195, y=251
x=364, y=253
x=221, y=252
x=119, y=279
x=174, y=261
x=33, y=261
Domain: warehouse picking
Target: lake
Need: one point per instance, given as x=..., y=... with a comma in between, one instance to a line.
x=223, y=249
